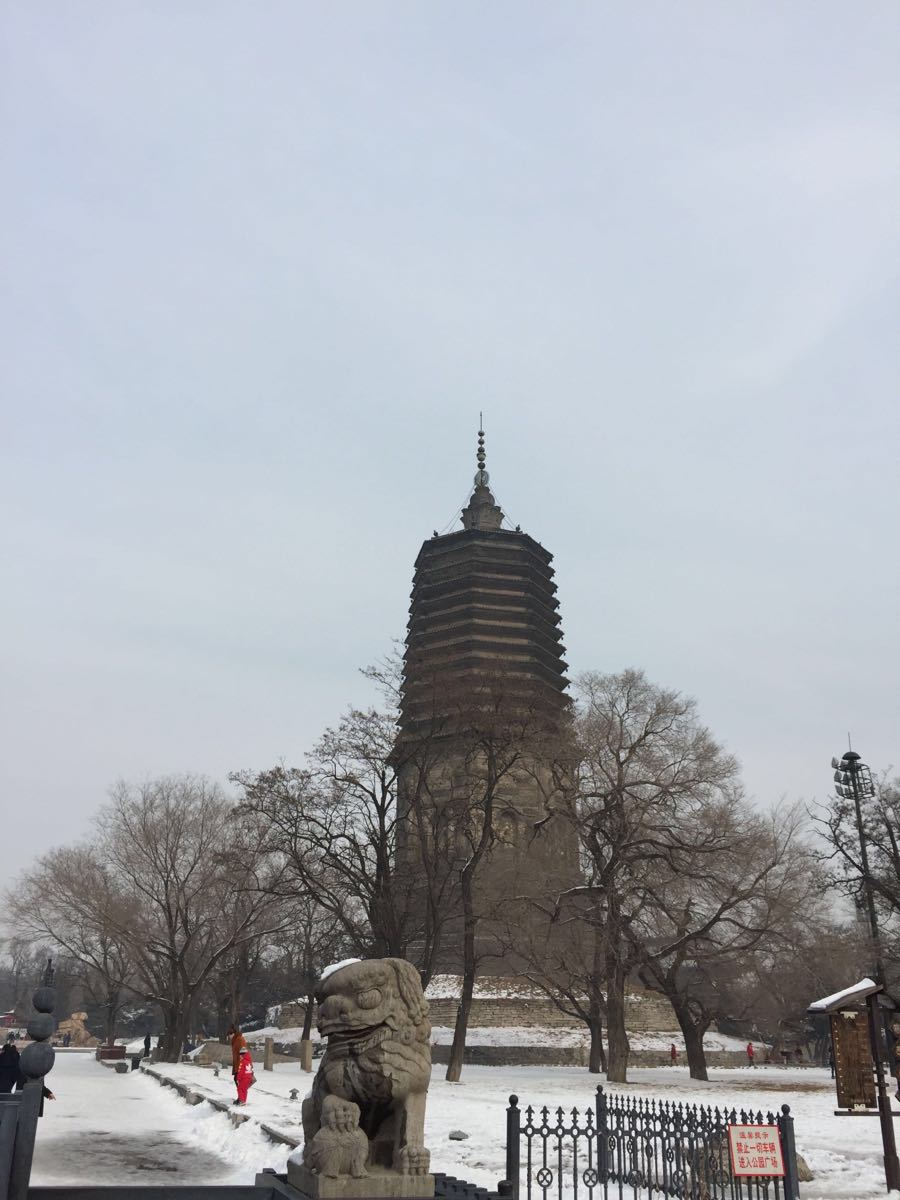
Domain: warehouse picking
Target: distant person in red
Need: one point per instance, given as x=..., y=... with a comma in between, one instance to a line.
x=751, y=1054
x=237, y=1042
x=245, y=1077
x=673, y=1054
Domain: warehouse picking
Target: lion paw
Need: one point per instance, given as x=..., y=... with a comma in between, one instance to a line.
x=414, y=1160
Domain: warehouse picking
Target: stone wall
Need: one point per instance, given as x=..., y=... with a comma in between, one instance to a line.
x=573, y=1056
x=644, y=1012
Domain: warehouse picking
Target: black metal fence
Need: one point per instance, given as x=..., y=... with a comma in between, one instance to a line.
x=627, y=1146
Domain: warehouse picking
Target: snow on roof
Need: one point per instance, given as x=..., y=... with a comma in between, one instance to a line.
x=859, y=991
x=330, y=970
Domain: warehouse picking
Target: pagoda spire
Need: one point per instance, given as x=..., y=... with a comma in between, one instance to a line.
x=482, y=511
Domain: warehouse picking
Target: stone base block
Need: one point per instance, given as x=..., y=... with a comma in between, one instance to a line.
x=377, y=1185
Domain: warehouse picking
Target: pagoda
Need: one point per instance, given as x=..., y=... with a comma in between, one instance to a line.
x=484, y=648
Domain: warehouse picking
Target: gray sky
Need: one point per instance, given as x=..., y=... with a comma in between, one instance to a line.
x=264, y=263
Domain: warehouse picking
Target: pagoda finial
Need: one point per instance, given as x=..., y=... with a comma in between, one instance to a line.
x=482, y=511
x=481, y=475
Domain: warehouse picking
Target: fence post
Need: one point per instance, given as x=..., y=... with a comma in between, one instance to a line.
x=602, y=1136
x=512, y=1147
x=789, y=1150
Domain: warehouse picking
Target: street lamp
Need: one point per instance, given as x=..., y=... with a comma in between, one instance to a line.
x=853, y=781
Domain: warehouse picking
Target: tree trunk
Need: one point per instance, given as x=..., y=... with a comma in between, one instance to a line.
x=112, y=1011
x=307, y=1016
x=597, y=1061
x=457, y=1050
x=175, y=1033
x=693, y=1042
x=222, y=1021
x=617, y=1063
x=596, y=1008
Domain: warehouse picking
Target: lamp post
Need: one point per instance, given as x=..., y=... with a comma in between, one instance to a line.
x=853, y=781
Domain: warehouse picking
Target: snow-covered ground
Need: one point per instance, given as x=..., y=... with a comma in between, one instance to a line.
x=843, y=1153
x=108, y=1128
x=513, y=1035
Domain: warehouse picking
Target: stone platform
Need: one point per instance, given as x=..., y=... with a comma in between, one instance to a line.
x=377, y=1185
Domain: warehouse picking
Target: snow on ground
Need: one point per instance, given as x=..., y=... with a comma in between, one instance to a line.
x=843, y=1153
x=108, y=1128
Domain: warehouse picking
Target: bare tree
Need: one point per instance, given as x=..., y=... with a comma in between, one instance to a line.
x=736, y=883
x=194, y=886
x=312, y=941
x=564, y=958
x=646, y=771
x=72, y=900
x=773, y=986
x=343, y=838
x=333, y=824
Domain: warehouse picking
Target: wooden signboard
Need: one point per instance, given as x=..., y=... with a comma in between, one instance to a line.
x=853, y=1059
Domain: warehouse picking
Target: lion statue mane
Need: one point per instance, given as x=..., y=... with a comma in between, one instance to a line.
x=375, y=1017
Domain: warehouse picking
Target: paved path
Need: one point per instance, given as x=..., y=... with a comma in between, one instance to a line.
x=109, y=1128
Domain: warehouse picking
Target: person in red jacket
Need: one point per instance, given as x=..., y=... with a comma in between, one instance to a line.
x=751, y=1053
x=237, y=1041
x=245, y=1077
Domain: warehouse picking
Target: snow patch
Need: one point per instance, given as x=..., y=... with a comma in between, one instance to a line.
x=330, y=970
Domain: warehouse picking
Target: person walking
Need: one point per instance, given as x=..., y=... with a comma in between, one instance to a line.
x=751, y=1054
x=673, y=1055
x=147, y=1044
x=244, y=1077
x=238, y=1043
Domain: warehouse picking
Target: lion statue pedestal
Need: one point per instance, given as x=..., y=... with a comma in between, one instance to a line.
x=364, y=1122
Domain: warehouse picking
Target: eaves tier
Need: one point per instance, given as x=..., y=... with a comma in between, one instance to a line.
x=483, y=607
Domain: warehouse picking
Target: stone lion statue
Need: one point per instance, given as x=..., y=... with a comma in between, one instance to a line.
x=340, y=1147
x=375, y=1018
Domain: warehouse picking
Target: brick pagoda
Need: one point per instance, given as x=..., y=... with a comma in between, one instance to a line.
x=484, y=637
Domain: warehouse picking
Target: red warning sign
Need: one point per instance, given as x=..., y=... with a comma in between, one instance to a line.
x=755, y=1150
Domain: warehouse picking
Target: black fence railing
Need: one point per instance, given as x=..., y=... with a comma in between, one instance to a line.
x=628, y=1146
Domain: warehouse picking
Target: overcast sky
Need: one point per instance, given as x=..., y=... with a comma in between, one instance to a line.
x=262, y=266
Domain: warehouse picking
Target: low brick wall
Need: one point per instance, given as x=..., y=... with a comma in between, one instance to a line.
x=515, y=1056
